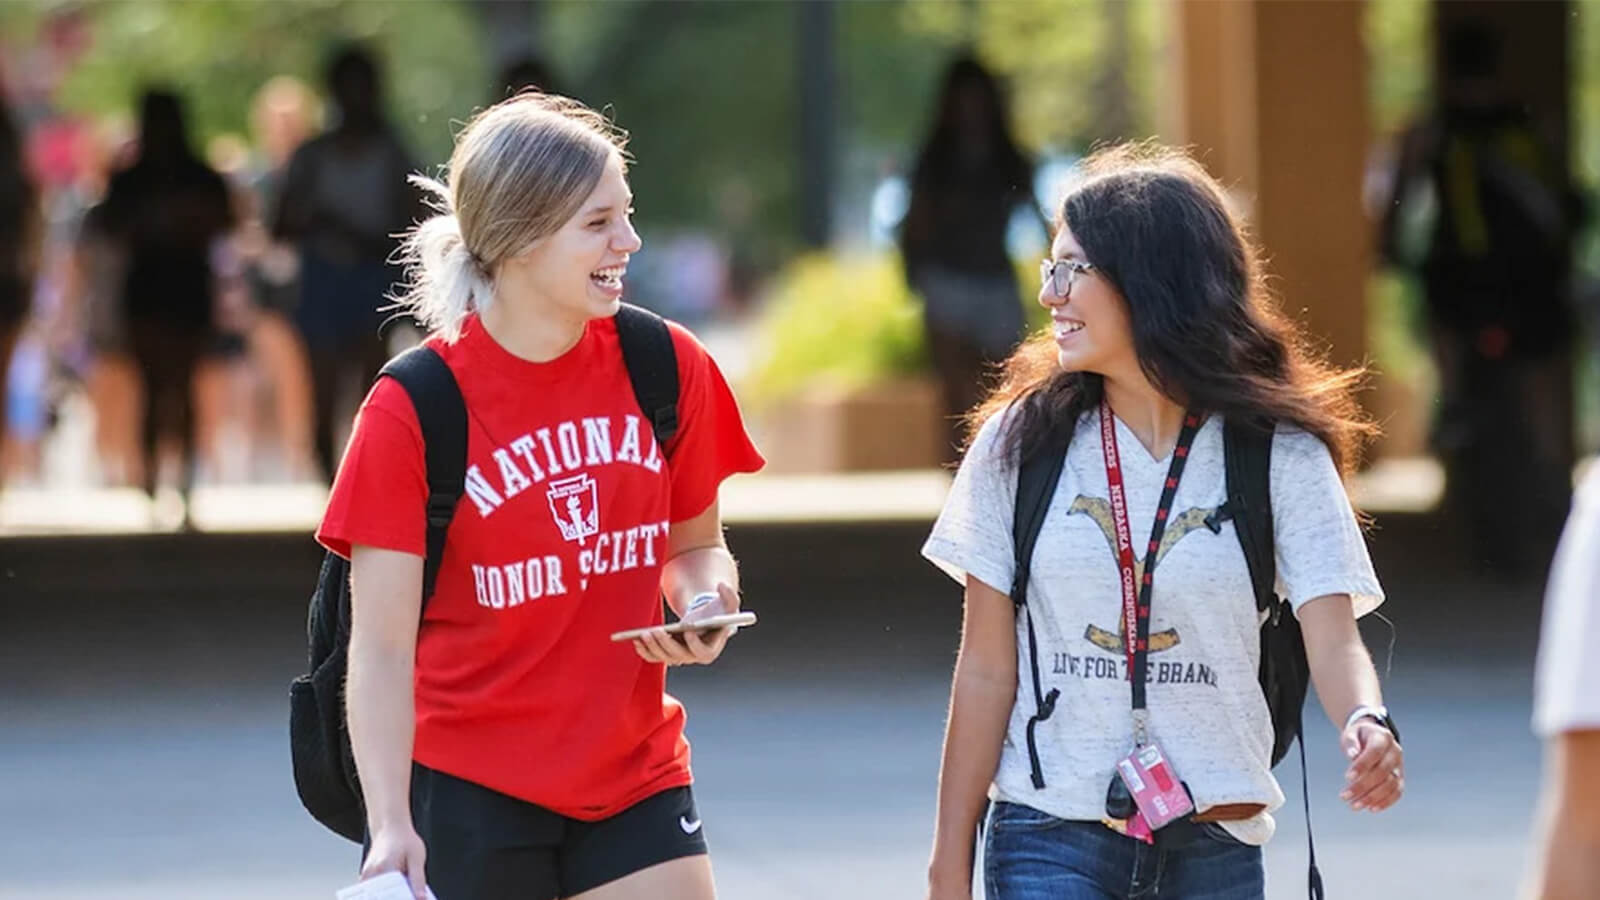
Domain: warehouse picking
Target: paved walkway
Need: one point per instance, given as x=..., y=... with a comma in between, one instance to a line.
x=144, y=751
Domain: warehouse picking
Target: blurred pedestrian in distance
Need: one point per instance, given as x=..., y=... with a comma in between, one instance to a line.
x=20, y=232
x=969, y=179
x=167, y=210
x=1567, y=709
x=344, y=199
x=225, y=428
x=92, y=329
x=283, y=115
x=1483, y=212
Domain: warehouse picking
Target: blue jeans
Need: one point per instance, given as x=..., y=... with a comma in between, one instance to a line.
x=1030, y=855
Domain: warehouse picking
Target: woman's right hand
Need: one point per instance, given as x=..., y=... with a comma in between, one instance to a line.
x=398, y=848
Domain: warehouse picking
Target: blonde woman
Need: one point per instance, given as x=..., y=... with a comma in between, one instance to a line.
x=512, y=750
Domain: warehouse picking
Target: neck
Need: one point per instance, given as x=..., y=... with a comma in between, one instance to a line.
x=1153, y=417
x=528, y=329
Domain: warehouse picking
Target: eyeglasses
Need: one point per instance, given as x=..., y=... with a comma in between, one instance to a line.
x=1061, y=273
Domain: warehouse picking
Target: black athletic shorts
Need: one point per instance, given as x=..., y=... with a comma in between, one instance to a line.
x=485, y=845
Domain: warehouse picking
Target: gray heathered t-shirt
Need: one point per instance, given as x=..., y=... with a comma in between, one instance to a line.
x=1206, y=706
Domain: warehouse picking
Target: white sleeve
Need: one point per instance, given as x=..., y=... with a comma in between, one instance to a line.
x=1567, y=681
x=973, y=532
x=1320, y=547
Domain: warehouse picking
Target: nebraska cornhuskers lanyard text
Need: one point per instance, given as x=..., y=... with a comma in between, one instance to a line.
x=1136, y=600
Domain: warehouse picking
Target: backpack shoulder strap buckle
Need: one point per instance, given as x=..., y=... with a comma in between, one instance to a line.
x=1223, y=513
x=441, y=508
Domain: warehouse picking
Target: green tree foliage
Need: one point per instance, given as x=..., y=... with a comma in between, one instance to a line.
x=707, y=93
x=1062, y=60
x=218, y=53
x=1398, y=58
x=1586, y=93
x=708, y=89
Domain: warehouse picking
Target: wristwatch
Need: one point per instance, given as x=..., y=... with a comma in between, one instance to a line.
x=1379, y=714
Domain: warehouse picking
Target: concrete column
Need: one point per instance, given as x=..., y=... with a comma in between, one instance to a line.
x=1272, y=95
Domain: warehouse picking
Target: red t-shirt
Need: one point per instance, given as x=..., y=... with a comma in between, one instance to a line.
x=557, y=544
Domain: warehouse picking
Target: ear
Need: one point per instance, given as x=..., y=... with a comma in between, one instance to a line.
x=525, y=256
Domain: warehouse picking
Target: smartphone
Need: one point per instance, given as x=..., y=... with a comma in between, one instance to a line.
x=710, y=623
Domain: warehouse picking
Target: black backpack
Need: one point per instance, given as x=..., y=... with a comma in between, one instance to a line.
x=324, y=766
x=1284, y=673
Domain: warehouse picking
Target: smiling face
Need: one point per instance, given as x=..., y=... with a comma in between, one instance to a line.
x=576, y=273
x=1091, y=325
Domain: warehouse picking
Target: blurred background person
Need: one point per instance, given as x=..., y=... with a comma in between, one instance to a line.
x=225, y=421
x=1484, y=214
x=167, y=210
x=969, y=179
x=19, y=246
x=344, y=197
x=283, y=115
x=92, y=330
x=1567, y=710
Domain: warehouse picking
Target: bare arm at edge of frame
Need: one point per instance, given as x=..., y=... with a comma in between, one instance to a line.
x=982, y=694
x=385, y=612
x=1567, y=854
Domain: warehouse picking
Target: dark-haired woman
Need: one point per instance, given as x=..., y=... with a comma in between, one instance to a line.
x=969, y=180
x=1162, y=331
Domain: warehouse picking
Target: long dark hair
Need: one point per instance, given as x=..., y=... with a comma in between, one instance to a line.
x=1205, y=329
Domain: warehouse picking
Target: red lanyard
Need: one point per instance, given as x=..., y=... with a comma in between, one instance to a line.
x=1136, y=600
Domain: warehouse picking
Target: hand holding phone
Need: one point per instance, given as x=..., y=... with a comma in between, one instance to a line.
x=697, y=638
x=709, y=623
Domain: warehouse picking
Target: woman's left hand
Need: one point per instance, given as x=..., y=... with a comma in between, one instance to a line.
x=1377, y=775
x=691, y=647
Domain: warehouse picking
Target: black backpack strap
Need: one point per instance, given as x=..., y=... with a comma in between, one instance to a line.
x=1036, y=486
x=443, y=416
x=1247, y=450
x=652, y=364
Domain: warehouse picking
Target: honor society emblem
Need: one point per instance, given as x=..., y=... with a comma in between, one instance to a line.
x=575, y=505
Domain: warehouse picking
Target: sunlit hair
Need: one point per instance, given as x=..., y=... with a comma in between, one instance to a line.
x=1158, y=229
x=520, y=170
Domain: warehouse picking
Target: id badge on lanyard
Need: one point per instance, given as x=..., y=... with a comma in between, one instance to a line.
x=1152, y=795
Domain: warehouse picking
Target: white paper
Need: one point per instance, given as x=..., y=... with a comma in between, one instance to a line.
x=388, y=886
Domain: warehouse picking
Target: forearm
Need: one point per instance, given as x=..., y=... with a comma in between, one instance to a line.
x=1570, y=864
x=980, y=706
x=1344, y=676
x=1567, y=862
x=1341, y=667
x=381, y=707
x=697, y=571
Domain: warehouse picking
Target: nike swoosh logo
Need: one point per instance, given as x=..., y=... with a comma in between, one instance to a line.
x=688, y=826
